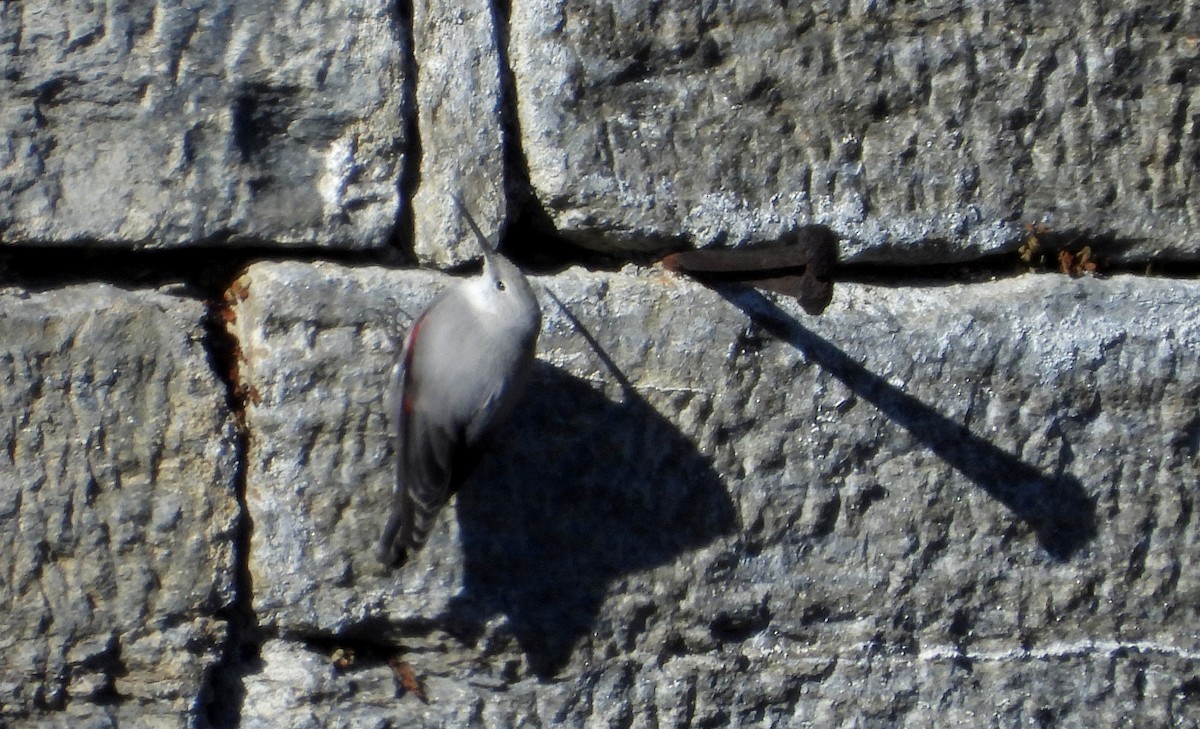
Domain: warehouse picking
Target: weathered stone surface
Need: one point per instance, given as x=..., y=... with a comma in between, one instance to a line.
x=299, y=687
x=921, y=132
x=314, y=371
x=955, y=505
x=117, y=508
x=767, y=682
x=460, y=122
x=967, y=499
x=158, y=124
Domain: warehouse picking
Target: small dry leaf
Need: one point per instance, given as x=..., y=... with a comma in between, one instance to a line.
x=1065, y=261
x=407, y=678
x=1031, y=250
x=237, y=290
x=1076, y=264
x=342, y=658
x=1086, y=264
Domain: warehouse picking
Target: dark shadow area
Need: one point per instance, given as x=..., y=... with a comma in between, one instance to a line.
x=404, y=233
x=588, y=490
x=202, y=271
x=1110, y=254
x=531, y=241
x=1056, y=506
x=224, y=692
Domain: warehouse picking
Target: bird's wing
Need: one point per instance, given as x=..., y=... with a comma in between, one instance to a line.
x=432, y=460
x=414, y=485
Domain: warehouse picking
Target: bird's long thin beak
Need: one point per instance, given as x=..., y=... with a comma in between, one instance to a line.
x=488, y=248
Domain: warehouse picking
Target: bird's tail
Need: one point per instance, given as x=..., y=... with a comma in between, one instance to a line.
x=393, y=545
x=407, y=528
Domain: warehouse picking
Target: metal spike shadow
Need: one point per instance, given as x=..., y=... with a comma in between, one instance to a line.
x=588, y=492
x=1056, y=507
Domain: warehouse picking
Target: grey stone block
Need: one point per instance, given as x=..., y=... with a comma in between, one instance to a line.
x=299, y=687
x=926, y=132
x=926, y=498
x=117, y=508
x=460, y=122
x=769, y=683
x=161, y=124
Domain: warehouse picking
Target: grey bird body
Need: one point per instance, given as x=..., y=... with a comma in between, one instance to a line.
x=464, y=364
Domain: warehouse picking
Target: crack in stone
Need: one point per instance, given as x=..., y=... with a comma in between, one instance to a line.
x=404, y=233
x=205, y=271
x=221, y=696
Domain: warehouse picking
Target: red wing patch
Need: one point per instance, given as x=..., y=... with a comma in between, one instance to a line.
x=409, y=350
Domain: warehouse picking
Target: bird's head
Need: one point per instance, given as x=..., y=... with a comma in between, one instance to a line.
x=502, y=288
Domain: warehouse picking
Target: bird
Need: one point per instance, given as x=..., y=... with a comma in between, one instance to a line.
x=462, y=368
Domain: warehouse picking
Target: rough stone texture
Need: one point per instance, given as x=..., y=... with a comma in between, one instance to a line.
x=298, y=687
x=117, y=509
x=158, y=124
x=920, y=131
x=460, y=118
x=940, y=505
x=763, y=683
x=972, y=502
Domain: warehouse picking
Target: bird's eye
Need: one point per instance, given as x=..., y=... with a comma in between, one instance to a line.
x=499, y=285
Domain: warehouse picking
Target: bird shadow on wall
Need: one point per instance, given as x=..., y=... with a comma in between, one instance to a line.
x=588, y=492
x=1056, y=507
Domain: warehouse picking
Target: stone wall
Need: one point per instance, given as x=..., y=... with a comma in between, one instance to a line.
x=963, y=495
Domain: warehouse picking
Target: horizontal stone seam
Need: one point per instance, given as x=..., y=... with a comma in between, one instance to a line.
x=43, y=268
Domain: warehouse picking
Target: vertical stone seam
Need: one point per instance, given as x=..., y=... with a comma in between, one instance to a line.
x=218, y=704
x=405, y=231
x=517, y=187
